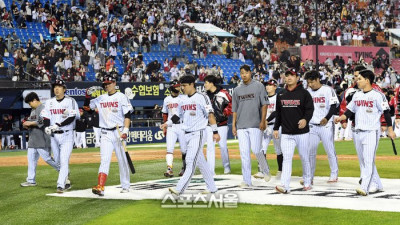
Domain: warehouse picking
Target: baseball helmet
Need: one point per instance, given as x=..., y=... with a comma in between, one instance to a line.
x=58, y=82
x=108, y=79
x=174, y=86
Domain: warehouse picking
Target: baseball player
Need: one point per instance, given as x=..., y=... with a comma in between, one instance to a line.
x=114, y=110
x=294, y=109
x=321, y=123
x=80, y=134
x=196, y=112
x=249, y=107
x=62, y=111
x=221, y=102
x=174, y=132
x=348, y=96
x=271, y=86
x=367, y=106
x=39, y=142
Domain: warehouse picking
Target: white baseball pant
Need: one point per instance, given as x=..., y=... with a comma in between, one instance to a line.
x=267, y=137
x=80, y=139
x=61, y=145
x=223, y=133
x=33, y=157
x=325, y=134
x=288, y=144
x=251, y=138
x=195, y=157
x=110, y=141
x=366, y=143
x=97, y=135
x=175, y=133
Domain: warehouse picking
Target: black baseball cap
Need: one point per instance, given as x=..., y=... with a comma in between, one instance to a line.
x=291, y=71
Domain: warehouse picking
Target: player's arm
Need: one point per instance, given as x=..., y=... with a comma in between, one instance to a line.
x=308, y=110
x=127, y=110
x=211, y=118
x=228, y=109
x=332, y=110
x=264, y=102
x=234, y=114
x=383, y=105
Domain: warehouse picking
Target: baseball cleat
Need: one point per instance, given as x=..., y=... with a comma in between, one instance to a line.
x=182, y=172
x=361, y=192
x=60, y=190
x=267, y=177
x=375, y=190
x=307, y=188
x=278, y=175
x=67, y=186
x=124, y=190
x=28, y=184
x=244, y=185
x=281, y=189
x=98, y=190
x=206, y=192
x=259, y=175
x=332, y=180
x=173, y=191
x=302, y=182
x=168, y=173
x=227, y=171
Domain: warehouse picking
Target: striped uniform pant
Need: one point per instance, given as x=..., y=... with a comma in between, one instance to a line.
x=110, y=141
x=366, y=143
x=175, y=133
x=288, y=144
x=325, y=134
x=61, y=145
x=267, y=137
x=251, y=138
x=195, y=157
x=80, y=139
x=33, y=157
x=223, y=133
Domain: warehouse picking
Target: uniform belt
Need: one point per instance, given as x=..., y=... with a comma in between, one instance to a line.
x=177, y=122
x=315, y=124
x=188, y=132
x=60, y=131
x=359, y=130
x=114, y=128
x=270, y=123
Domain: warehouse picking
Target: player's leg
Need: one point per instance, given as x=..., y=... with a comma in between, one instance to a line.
x=55, y=149
x=329, y=146
x=256, y=136
x=171, y=140
x=46, y=156
x=304, y=152
x=244, y=148
x=194, y=148
x=183, y=146
x=33, y=157
x=359, y=149
x=83, y=139
x=279, y=156
x=77, y=139
x=210, y=148
x=208, y=174
x=223, y=146
x=66, y=141
x=124, y=175
x=266, y=138
x=288, y=143
x=97, y=135
x=106, y=149
x=314, y=139
x=369, y=143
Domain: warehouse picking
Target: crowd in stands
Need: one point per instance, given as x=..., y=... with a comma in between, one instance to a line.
x=106, y=31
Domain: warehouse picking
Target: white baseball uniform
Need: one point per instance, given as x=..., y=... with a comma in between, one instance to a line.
x=62, y=141
x=368, y=108
x=194, y=111
x=268, y=133
x=112, y=110
x=174, y=132
x=323, y=99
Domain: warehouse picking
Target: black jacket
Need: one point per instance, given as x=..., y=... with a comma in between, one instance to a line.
x=292, y=106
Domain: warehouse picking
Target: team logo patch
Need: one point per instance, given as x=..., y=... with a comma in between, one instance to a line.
x=340, y=195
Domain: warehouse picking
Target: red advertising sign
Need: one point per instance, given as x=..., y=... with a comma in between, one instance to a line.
x=324, y=52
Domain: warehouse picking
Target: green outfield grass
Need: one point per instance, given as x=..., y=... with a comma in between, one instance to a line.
x=32, y=206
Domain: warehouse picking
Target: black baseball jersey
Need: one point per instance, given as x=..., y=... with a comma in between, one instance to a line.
x=291, y=107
